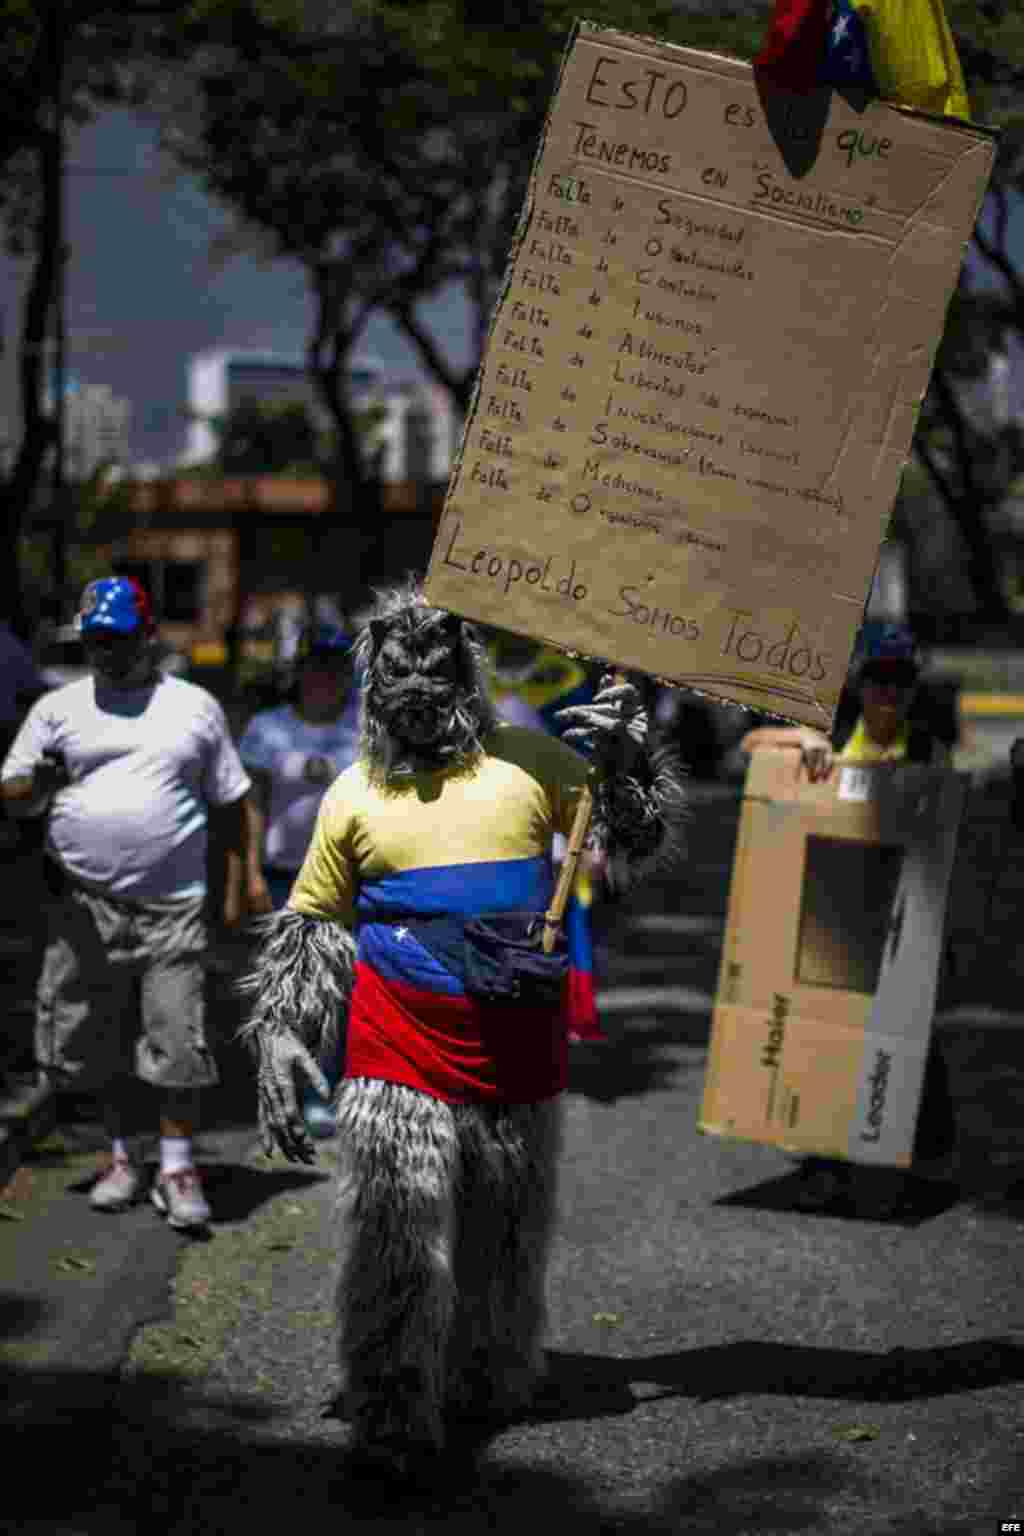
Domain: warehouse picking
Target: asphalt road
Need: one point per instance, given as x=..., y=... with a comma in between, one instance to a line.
x=720, y=1363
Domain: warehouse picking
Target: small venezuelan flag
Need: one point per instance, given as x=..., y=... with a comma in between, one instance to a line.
x=902, y=50
x=582, y=1002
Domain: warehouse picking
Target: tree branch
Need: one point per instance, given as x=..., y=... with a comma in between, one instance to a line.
x=968, y=502
x=458, y=383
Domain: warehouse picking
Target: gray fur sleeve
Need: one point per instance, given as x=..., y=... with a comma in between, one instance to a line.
x=640, y=818
x=301, y=980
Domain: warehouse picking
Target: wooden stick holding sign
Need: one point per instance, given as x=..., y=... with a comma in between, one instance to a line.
x=567, y=874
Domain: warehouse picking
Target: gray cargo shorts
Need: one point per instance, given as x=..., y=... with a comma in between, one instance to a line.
x=122, y=990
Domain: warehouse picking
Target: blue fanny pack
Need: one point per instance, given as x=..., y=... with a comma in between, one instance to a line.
x=505, y=962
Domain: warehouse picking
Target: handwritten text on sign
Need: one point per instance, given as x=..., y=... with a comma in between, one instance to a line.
x=701, y=380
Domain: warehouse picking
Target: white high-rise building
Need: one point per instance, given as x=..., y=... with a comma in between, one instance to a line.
x=417, y=436
x=220, y=379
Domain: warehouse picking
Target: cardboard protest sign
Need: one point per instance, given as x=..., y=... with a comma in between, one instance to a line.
x=830, y=963
x=703, y=373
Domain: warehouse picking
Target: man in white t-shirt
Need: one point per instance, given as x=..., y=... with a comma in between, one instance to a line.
x=292, y=755
x=140, y=779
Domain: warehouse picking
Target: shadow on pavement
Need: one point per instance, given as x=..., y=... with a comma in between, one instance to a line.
x=627, y=1065
x=158, y=1454
x=767, y=1493
x=595, y=1386
x=634, y=1061
x=142, y=1456
x=802, y=1493
x=19, y=1314
x=920, y=1200
x=236, y=1191
x=1001, y=1194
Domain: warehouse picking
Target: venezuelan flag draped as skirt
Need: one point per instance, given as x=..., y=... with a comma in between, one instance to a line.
x=411, y=1019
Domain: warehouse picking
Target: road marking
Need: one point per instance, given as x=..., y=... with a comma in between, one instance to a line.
x=674, y=922
x=652, y=999
x=966, y=1017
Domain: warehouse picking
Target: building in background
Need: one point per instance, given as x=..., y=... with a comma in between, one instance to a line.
x=417, y=437
x=223, y=554
x=97, y=424
x=419, y=434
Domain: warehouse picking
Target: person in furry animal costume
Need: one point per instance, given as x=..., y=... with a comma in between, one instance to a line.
x=448, y=1113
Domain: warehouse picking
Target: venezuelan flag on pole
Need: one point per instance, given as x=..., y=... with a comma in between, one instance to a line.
x=847, y=57
x=582, y=1001
x=901, y=50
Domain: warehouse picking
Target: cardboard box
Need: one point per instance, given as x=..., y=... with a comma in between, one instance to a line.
x=832, y=949
x=703, y=372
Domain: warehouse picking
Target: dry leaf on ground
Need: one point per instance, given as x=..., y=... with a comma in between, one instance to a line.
x=858, y=1432
x=74, y=1262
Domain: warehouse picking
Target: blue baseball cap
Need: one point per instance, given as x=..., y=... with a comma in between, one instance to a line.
x=884, y=643
x=324, y=642
x=117, y=603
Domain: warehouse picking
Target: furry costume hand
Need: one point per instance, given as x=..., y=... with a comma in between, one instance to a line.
x=613, y=727
x=640, y=802
x=280, y=1112
x=299, y=986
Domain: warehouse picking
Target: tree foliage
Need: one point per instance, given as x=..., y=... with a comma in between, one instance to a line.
x=268, y=437
x=260, y=438
x=392, y=160
x=387, y=150
x=386, y=146
x=63, y=62
x=972, y=454
x=394, y=167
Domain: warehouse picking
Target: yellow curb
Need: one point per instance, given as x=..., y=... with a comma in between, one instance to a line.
x=992, y=703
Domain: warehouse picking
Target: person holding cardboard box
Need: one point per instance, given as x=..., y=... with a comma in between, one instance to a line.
x=884, y=674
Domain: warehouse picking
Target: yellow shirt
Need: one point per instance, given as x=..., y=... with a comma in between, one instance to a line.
x=861, y=748
x=503, y=807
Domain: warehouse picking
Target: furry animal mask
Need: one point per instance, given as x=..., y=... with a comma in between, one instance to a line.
x=425, y=702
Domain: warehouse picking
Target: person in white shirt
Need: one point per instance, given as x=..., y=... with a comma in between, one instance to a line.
x=293, y=754
x=141, y=780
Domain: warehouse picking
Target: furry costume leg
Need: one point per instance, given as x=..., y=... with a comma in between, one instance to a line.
x=446, y=1217
x=505, y=1216
x=396, y=1289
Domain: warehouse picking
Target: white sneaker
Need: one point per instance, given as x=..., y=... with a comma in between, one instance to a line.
x=117, y=1189
x=179, y=1196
